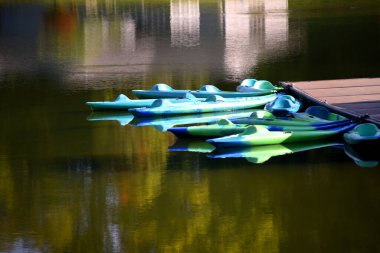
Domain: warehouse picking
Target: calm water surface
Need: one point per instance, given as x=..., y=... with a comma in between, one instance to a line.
x=71, y=184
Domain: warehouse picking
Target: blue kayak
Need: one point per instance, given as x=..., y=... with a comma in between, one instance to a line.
x=253, y=85
x=165, y=91
x=283, y=105
x=259, y=135
x=212, y=104
x=366, y=133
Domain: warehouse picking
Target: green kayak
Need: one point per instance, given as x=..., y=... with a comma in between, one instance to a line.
x=225, y=127
x=313, y=116
x=259, y=135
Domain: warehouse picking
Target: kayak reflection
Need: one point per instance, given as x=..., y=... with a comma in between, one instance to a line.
x=124, y=118
x=261, y=154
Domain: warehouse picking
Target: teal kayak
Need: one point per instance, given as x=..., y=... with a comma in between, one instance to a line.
x=225, y=127
x=320, y=113
x=366, y=133
x=261, y=154
x=122, y=118
x=212, y=104
x=259, y=135
x=313, y=116
x=208, y=90
x=122, y=102
x=165, y=91
x=283, y=105
x=163, y=123
x=253, y=85
x=160, y=90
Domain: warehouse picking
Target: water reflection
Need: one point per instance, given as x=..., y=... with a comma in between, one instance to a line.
x=184, y=23
x=131, y=37
x=261, y=154
x=70, y=185
x=104, y=40
x=253, y=29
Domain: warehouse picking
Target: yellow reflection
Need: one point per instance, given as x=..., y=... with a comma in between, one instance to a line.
x=58, y=226
x=145, y=150
x=182, y=223
x=6, y=185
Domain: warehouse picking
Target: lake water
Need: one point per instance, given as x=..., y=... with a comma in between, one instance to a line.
x=72, y=184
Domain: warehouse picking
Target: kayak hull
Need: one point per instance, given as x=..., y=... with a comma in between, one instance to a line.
x=119, y=105
x=231, y=94
x=148, y=94
x=216, y=130
x=165, y=91
x=201, y=107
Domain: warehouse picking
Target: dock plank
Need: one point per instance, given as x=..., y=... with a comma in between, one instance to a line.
x=355, y=96
x=341, y=83
x=349, y=91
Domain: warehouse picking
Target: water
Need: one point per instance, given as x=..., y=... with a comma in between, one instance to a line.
x=68, y=184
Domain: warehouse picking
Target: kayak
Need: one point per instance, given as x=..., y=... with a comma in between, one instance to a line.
x=283, y=105
x=320, y=113
x=259, y=135
x=313, y=116
x=122, y=118
x=225, y=127
x=261, y=154
x=208, y=90
x=252, y=85
x=160, y=90
x=163, y=123
x=165, y=91
x=366, y=133
x=122, y=102
x=213, y=103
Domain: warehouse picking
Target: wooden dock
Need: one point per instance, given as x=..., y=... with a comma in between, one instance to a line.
x=355, y=98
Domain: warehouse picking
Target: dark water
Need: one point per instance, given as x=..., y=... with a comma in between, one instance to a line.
x=68, y=184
